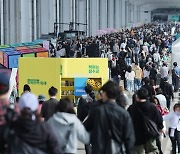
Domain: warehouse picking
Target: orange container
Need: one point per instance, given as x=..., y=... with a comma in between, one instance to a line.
x=22, y=48
x=42, y=54
x=1, y=57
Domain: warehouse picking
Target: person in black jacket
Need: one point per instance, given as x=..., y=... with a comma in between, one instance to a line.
x=144, y=143
x=115, y=73
x=153, y=73
x=107, y=119
x=149, y=88
x=48, y=107
x=28, y=134
x=86, y=103
x=122, y=70
x=142, y=62
x=167, y=92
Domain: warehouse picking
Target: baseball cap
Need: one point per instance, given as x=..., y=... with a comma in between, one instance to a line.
x=28, y=100
x=175, y=63
x=4, y=83
x=165, y=79
x=41, y=98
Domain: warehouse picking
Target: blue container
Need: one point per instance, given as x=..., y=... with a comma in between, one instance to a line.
x=13, y=61
x=10, y=59
x=7, y=49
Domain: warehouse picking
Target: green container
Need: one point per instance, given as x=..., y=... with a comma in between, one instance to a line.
x=29, y=43
x=4, y=46
x=29, y=55
x=16, y=45
x=34, y=46
x=38, y=41
x=177, y=36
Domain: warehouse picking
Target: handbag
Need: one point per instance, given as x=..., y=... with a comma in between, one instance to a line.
x=151, y=130
x=112, y=146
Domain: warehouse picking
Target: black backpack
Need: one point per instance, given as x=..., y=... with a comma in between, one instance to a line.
x=150, y=127
x=15, y=144
x=18, y=146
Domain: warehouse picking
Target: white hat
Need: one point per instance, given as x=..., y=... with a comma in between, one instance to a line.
x=28, y=100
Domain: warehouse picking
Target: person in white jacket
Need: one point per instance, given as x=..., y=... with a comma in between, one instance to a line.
x=161, y=97
x=67, y=127
x=130, y=75
x=156, y=57
x=174, y=127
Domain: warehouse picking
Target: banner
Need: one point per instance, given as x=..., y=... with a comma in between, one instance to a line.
x=79, y=86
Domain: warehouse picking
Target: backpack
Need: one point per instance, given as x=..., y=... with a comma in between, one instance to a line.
x=112, y=146
x=67, y=137
x=18, y=146
x=150, y=127
x=83, y=108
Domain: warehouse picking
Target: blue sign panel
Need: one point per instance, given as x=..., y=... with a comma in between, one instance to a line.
x=79, y=86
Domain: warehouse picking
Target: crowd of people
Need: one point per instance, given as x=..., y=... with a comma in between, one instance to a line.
x=149, y=36
x=108, y=123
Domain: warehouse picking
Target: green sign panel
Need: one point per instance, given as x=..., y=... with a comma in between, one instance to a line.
x=61, y=70
x=175, y=18
x=36, y=82
x=93, y=69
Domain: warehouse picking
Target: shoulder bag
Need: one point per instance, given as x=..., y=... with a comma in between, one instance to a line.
x=112, y=146
x=150, y=126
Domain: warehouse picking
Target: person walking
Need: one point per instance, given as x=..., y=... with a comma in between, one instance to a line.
x=164, y=73
x=27, y=134
x=148, y=87
x=110, y=123
x=67, y=127
x=115, y=49
x=86, y=103
x=136, y=53
x=122, y=70
x=144, y=143
x=128, y=57
x=174, y=127
x=41, y=99
x=168, y=92
x=26, y=89
x=175, y=76
x=161, y=97
x=48, y=107
x=4, y=109
x=142, y=62
x=146, y=71
x=163, y=112
x=122, y=54
x=115, y=73
x=130, y=75
x=122, y=99
x=156, y=58
x=138, y=77
x=153, y=73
